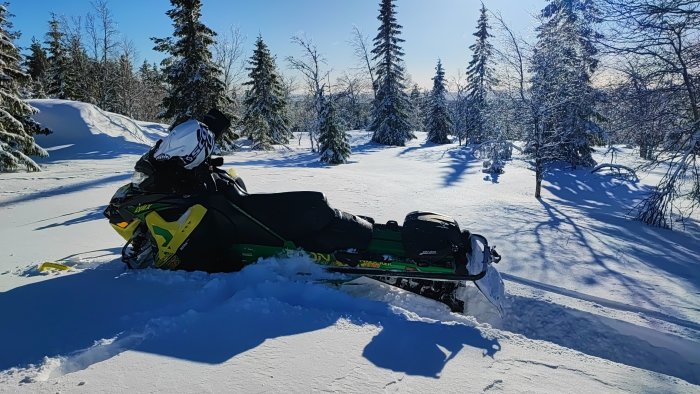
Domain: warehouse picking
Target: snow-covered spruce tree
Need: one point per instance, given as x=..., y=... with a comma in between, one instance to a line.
x=264, y=101
x=194, y=81
x=257, y=129
x=77, y=77
x=480, y=81
x=125, y=87
x=415, y=113
x=564, y=59
x=390, y=123
x=332, y=140
x=37, y=65
x=496, y=151
x=17, y=129
x=58, y=62
x=439, y=124
x=150, y=92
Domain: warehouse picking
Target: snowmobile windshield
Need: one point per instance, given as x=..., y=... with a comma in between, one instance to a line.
x=138, y=178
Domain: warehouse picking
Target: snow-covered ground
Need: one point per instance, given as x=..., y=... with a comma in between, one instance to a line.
x=596, y=302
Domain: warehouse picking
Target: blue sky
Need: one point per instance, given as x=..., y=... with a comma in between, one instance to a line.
x=432, y=28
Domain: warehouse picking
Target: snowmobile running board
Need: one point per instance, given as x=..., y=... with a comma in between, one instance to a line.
x=439, y=276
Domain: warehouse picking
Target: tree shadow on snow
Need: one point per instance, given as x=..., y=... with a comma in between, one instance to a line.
x=366, y=148
x=90, y=214
x=584, y=231
x=611, y=339
x=587, y=219
x=66, y=189
x=95, y=314
x=462, y=162
x=610, y=202
x=423, y=145
x=305, y=159
x=302, y=159
x=492, y=177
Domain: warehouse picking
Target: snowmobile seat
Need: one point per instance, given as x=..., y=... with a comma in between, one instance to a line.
x=302, y=217
x=306, y=219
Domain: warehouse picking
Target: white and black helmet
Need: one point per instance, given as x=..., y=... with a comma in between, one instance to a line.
x=193, y=141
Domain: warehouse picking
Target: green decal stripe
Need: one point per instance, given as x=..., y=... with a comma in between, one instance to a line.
x=163, y=233
x=251, y=253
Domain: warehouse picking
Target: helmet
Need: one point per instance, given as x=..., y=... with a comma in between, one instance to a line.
x=190, y=141
x=216, y=121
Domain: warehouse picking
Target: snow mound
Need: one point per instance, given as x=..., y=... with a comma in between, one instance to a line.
x=212, y=318
x=83, y=131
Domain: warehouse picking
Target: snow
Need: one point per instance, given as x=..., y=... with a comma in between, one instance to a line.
x=595, y=301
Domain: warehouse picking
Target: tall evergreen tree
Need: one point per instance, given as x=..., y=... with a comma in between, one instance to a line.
x=439, y=124
x=564, y=59
x=390, y=123
x=77, y=72
x=332, y=140
x=58, y=62
x=151, y=92
x=17, y=129
x=125, y=87
x=37, y=65
x=416, y=112
x=195, y=84
x=480, y=80
x=265, y=116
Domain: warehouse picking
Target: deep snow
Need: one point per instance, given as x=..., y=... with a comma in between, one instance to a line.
x=596, y=302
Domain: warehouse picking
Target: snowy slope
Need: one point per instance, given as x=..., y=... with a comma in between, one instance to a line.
x=84, y=131
x=597, y=303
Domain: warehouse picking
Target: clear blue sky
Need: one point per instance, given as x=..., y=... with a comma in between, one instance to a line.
x=432, y=28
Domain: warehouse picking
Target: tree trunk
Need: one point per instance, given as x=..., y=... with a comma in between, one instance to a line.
x=311, y=139
x=539, y=174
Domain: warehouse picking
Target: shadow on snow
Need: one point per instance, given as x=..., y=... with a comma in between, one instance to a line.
x=462, y=162
x=603, y=337
x=96, y=314
x=90, y=214
x=610, y=203
x=59, y=190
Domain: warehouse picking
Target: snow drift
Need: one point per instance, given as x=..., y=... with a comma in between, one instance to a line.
x=84, y=131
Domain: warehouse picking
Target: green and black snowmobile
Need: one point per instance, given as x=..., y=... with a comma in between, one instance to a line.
x=224, y=228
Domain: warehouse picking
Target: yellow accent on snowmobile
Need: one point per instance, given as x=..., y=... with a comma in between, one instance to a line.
x=128, y=231
x=170, y=236
x=232, y=173
x=47, y=265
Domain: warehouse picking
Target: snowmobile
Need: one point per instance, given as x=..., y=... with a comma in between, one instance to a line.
x=224, y=228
